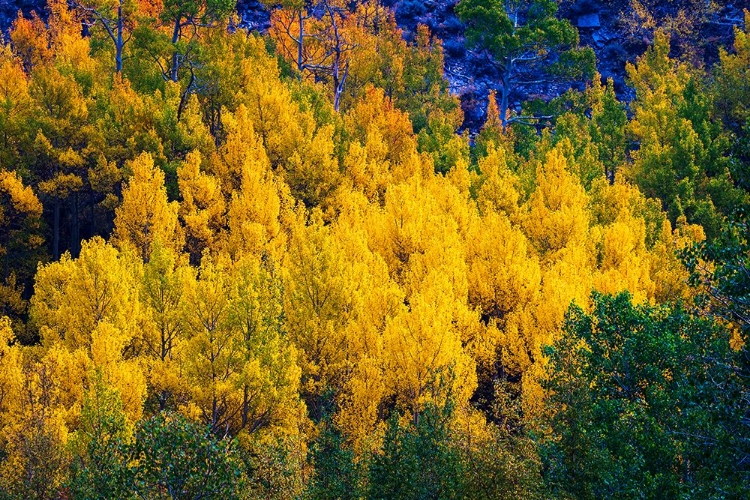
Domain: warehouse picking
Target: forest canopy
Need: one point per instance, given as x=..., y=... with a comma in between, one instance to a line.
x=245, y=265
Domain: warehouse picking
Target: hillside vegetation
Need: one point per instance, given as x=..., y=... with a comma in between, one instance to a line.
x=245, y=266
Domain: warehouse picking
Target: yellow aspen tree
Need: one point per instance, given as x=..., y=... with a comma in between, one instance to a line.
x=242, y=150
x=38, y=43
x=163, y=328
x=211, y=355
x=556, y=217
x=375, y=299
x=124, y=373
x=64, y=373
x=257, y=197
x=667, y=271
x=422, y=353
x=379, y=55
x=636, y=247
x=254, y=215
x=34, y=435
x=12, y=380
x=420, y=235
x=420, y=230
x=127, y=124
x=493, y=134
x=281, y=125
x=11, y=366
x=88, y=314
x=317, y=304
x=203, y=208
x=497, y=186
x=190, y=133
x=300, y=150
x=312, y=172
x=556, y=221
x=73, y=296
x=240, y=372
x=17, y=106
x=544, y=290
x=383, y=150
x=20, y=240
x=365, y=167
x=145, y=215
x=269, y=379
x=620, y=231
x=504, y=276
x=624, y=262
x=68, y=46
x=67, y=141
x=566, y=280
x=104, y=178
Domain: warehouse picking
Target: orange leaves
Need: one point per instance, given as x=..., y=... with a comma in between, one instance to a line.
x=30, y=41
x=423, y=356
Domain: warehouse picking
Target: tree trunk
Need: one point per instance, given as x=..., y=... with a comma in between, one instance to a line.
x=504, y=106
x=339, y=86
x=504, y=96
x=300, y=47
x=75, y=233
x=175, y=55
x=339, y=80
x=245, y=406
x=119, y=42
x=92, y=214
x=56, y=230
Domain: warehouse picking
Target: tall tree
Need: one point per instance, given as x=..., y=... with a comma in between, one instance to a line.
x=317, y=37
x=525, y=42
x=205, y=467
x=185, y=18
x=116, y=17
x=731, y=90
x=419, y=460
x=682, y=157
x=145, y=215
x=642, y=405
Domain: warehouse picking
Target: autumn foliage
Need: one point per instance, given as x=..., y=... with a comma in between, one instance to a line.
x=278, y=255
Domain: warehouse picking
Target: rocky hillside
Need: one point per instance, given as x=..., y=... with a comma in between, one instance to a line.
x=600, y=24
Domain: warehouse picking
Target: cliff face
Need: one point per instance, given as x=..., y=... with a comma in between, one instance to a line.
x=471, y=77
x=9, y=10
x=600, y=25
